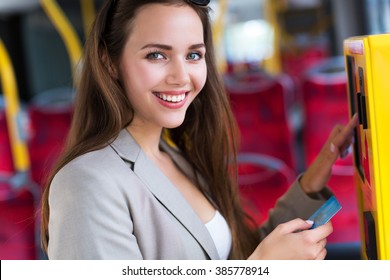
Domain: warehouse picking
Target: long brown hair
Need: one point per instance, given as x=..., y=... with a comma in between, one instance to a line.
x=207, y=136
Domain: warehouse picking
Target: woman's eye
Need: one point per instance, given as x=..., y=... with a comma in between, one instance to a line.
x=155, y=56
x=194, y=56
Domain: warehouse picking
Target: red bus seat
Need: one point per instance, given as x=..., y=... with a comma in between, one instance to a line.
x=262, y=107
x=6, y=162
x=18, y=230
x=262, y=180
x=50, y=119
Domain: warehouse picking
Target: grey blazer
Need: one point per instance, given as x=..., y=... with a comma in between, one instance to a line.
x=115, y=203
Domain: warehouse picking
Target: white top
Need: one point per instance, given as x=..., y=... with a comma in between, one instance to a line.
x=220, y=232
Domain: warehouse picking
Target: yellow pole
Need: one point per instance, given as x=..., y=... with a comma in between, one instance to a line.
x=88, y=11
x=66, y=31
x=12, y=109
x=273, y=64
x=218, y=28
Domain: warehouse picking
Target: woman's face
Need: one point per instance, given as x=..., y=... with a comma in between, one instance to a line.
x=163, y=64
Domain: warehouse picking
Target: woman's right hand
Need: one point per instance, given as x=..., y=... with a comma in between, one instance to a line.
x=294, y=241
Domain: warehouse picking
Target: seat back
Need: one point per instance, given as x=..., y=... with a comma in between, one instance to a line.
x=6, y=162
x=262, y=180
x=325, y=105
x=50, y=118
x=18, y=225
x=260, y=104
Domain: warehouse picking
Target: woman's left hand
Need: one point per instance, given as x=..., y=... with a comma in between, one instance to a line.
x=319, y=172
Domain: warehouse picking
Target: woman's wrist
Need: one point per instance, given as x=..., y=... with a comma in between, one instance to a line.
x=304, y=183
x=318, y=194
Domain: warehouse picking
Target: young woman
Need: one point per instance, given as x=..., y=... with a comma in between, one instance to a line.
x=120, y=191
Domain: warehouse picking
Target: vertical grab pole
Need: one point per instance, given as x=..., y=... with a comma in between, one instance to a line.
x=66, y=31
x=88, y=13
x=218, y=27
x=13, y=114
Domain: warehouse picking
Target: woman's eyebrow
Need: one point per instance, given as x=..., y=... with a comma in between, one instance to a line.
x=157, y=46
x=197, y=46
x=167, y=47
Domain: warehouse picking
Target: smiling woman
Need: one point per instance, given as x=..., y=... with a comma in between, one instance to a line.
x=120, y=191
x=156, y=73
x=166, y=65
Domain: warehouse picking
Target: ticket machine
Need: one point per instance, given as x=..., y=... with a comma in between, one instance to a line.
x=367, y=60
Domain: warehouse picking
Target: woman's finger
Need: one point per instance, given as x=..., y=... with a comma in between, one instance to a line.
x=345, y=135
x=322, y=254
x=295, y=225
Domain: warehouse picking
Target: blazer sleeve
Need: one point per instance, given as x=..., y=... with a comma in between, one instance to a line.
x=89, y=217
x=295, y=203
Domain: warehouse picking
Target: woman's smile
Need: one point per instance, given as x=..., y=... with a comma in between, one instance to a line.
x=171, y=99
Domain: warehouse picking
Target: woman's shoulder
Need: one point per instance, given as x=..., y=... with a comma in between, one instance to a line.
x=99, y=166
x=97, y=160
x=87, y=183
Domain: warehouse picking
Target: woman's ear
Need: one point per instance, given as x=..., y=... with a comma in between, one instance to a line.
x=109, y=65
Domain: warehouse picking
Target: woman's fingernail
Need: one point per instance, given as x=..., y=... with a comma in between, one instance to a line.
x=332, y=147
x=310, y=222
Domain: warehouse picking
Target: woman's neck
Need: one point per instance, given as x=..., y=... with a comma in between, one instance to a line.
x=148, y=137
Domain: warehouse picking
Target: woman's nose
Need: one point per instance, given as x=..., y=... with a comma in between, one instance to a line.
x=178, y=72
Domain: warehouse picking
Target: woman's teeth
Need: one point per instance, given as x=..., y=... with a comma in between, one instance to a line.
x=172, y=98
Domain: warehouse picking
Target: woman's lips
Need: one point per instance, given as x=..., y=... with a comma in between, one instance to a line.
x=171, y=99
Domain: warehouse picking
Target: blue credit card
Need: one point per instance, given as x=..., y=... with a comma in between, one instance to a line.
x=325, y=212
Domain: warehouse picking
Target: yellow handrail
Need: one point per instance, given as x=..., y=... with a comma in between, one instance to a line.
x=218, y=28
x=66, y=31
x=273, y=64
x=88, y=11
x=12, y=109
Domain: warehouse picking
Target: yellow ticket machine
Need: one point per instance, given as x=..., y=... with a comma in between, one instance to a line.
x=367, y=61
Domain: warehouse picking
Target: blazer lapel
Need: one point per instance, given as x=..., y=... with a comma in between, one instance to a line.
x=164, y=191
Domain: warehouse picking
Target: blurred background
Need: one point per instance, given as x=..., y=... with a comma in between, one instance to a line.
x=283, y=67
